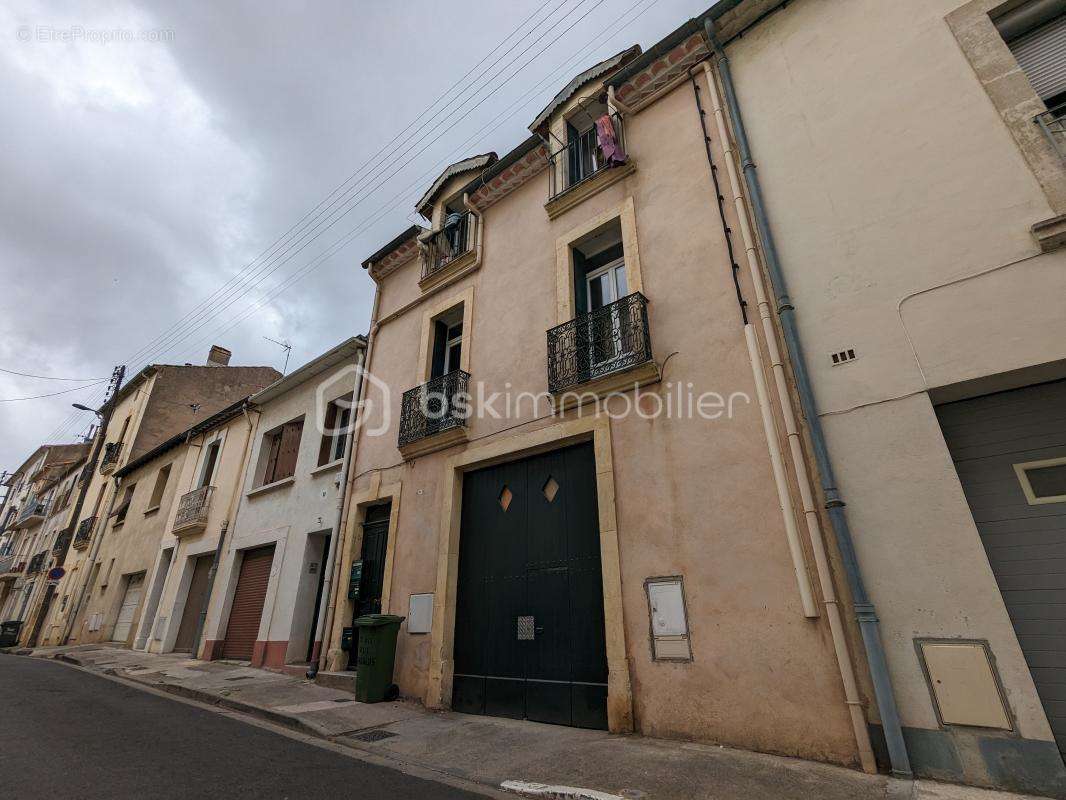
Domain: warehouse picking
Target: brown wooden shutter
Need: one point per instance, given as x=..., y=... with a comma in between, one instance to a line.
x=247, y=609
x=289, y=449
x=325, y=450
x=273, y=443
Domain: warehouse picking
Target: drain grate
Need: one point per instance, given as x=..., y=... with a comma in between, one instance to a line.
x=239, y=678
x=375, y=735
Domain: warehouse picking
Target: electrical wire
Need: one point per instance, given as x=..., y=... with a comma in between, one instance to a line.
x=49, y=377
x=52, y=394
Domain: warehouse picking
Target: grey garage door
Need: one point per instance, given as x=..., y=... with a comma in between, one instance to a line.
x=1010, y=452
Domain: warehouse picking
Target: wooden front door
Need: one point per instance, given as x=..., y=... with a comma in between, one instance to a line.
x=529, y=628
x=194, y=605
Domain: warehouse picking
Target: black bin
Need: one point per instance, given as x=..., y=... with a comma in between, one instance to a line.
x=9, y=633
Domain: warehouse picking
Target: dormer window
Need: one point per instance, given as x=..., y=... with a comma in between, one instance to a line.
x=454, y=238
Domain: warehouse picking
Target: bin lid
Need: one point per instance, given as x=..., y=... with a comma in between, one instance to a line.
x=374, y=620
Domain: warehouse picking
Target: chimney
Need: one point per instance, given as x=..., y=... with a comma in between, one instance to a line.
x=218, y=356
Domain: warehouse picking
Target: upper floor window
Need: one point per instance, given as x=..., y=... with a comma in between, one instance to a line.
x=456, y=237
x=161, y=479
x=447, y=342
x=207, y=469
x=335, y=430
x=123, y=507
x=593, y=142
x=279, y=452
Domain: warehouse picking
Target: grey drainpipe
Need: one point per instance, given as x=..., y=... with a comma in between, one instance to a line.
x=834, y=503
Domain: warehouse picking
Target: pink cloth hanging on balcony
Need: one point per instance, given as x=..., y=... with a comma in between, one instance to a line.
x=613, y=154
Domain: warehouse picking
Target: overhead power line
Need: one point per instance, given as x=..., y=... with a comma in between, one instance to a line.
x=50, y=377
x=51, y=394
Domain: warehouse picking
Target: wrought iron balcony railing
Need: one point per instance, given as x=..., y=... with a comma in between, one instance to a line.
x=62, y=540
x=33, y=511
x=193, y=509
x=583, y=157
x=608, y=340
x=109, y=459
x=456, y=238
x=83, y=533
x=439, y=405
x=11, y=564
x=36, y=563
x=1053, y=124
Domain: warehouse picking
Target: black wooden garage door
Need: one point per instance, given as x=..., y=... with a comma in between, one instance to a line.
x=1025, y=540
x=529, y=631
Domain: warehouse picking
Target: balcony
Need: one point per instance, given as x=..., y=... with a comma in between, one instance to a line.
x=84, y=533
x=193, y=509
x=450, y=249
x=32, y=513
x=10, y=566
x=1053, y=123
x=433, y=415
x=36, y=563
x=584, y=166
x=59, y=549
x=606, y=350
x=109, y=460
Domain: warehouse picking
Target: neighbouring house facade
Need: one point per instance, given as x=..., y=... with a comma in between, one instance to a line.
x=156, y=404
x=616, y=540
x=913, y=161
x=271, y=571
x=35, y=514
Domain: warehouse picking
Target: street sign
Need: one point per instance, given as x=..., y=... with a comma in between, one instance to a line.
x=55, y=573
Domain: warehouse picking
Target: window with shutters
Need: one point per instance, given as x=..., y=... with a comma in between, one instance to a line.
x=161, y=479
x=124, y=506
x=279, y=451
x=335, y=429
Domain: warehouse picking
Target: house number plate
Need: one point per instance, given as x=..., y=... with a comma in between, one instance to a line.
x=525, y=629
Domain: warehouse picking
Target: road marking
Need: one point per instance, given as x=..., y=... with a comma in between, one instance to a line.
x=556, y=792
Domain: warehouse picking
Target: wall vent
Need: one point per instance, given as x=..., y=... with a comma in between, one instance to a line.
x=843, y=357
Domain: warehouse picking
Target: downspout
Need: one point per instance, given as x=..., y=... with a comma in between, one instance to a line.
x=864, y=608
x=231, y=515
x=777, y=464
x=324, y=622
x=93, y=552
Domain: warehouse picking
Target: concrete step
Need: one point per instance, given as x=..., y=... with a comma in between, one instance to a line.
x=343, y=680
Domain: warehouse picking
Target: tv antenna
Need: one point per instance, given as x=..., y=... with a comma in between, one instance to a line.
x=287, y=347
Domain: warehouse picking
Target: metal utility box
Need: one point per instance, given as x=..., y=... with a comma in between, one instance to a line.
x=376, y=657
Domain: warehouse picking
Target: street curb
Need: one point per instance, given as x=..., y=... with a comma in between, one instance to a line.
x=277, y=717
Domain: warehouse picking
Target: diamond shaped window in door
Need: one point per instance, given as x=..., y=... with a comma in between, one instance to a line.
x=505, y=498
x=550, y=488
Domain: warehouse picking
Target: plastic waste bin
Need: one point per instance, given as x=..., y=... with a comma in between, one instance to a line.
x=9, y=633
x=375, y=657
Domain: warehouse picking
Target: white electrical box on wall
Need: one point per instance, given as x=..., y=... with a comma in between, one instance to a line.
x=669, y=619
x=420, y=613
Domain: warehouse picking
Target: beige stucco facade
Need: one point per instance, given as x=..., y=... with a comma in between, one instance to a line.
x=677, y=496
x=909, y=193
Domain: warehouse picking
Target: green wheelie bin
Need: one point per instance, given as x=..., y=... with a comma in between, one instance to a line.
x=375, y=657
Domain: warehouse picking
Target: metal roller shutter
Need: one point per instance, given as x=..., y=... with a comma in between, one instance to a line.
x=247, y=610
x=1042, y=56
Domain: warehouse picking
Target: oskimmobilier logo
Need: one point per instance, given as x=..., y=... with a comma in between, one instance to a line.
x=433, y=406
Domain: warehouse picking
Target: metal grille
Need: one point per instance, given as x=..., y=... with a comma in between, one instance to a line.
x=580, y=159
x=84, y=532
x=375, y=735
x=526, y=629
x=456, y=238
x=193, y=508
x=36, y=563
x=1053, y=124
x=608, y=340
x=436, y=406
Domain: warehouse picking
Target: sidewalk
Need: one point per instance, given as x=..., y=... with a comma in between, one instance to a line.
x=493, y=752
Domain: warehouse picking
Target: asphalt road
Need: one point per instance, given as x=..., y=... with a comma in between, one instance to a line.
x=68, y=733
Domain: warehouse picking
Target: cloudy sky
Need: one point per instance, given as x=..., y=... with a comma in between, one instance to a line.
x=178, y=174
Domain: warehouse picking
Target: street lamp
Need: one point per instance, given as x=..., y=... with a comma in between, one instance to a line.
x=80, y=407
